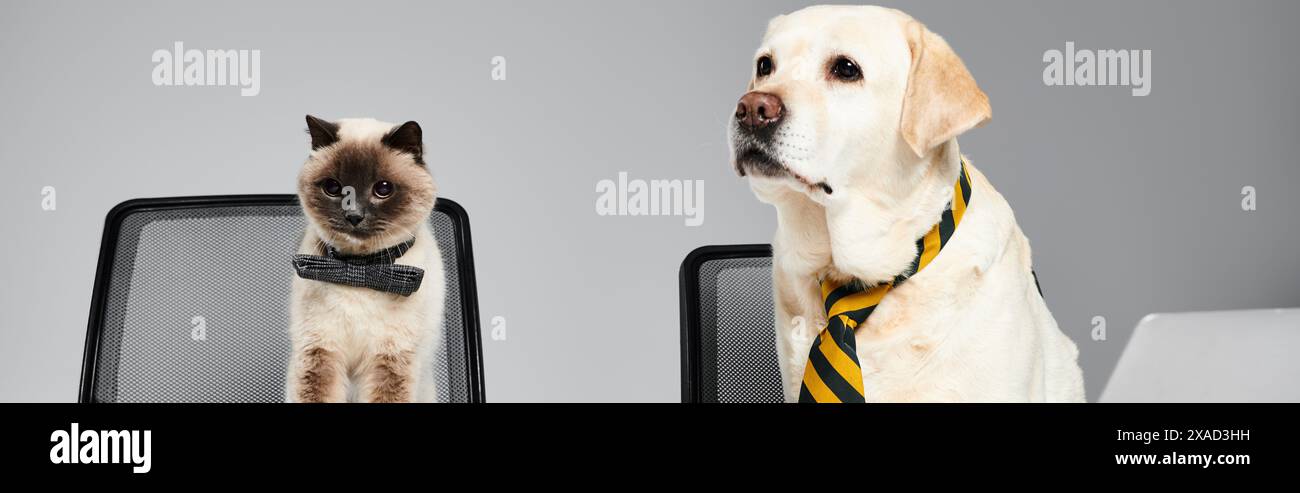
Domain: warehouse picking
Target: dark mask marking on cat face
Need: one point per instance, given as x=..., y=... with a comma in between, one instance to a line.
x=357, y=219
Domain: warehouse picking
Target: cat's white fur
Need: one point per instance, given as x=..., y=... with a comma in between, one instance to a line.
x=363, y=327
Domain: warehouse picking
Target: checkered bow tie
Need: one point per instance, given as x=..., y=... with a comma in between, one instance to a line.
x=376, y=271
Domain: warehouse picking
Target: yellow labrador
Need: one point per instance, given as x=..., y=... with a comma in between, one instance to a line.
x=849, y=129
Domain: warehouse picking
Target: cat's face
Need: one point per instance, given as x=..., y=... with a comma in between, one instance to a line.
x=365, y=186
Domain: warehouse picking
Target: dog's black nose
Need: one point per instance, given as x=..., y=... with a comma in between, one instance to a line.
x=354, y=218
x=759, y=109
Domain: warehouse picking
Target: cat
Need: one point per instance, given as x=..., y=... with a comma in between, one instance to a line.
x=366, y=193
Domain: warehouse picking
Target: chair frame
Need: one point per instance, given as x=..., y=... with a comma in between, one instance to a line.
x=108, y=251
x=689, y=289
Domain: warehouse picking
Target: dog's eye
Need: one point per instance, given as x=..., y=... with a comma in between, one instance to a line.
x=331, y=187
x=764, y=66
x=383, y=189
x=845, y=70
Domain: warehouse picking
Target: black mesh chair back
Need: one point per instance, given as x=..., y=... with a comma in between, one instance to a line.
x=728, y=326
x=191, y=302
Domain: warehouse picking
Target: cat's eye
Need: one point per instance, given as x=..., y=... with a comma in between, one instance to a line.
x=845, y=70
x=764, y=66
x=383, y=189
x=331, y=187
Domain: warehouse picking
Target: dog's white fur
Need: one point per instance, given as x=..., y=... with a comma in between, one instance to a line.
x=969, y=327
x=360, y=327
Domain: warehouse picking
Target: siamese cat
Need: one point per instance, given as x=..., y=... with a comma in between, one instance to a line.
x=367, y=301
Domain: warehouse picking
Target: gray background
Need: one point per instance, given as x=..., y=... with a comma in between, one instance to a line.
x=1131, y=204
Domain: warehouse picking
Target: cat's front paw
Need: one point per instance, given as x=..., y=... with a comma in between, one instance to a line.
x=317, y=376
x=392, y=378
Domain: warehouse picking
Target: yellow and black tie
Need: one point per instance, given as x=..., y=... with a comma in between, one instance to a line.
x=833, y=373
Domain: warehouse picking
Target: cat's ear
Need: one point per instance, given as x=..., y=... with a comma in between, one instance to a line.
x=407, y=138
x=323, y=133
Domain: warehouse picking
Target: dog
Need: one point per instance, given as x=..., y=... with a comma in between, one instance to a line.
x=849, y=129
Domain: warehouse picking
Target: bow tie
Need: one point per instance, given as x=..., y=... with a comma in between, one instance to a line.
x=375, y=271
x=833, y=373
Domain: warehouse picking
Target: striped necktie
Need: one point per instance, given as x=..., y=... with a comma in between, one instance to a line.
x=833, y=373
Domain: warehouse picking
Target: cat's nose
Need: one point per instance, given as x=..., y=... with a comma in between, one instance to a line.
x=355, y=218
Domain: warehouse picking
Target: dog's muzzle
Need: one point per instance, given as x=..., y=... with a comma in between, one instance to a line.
x=758, y=114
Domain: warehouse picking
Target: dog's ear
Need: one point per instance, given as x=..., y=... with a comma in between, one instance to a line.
x=942, y=99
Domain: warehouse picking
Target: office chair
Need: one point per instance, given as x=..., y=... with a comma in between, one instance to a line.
x=191, y=297
x=728, y=326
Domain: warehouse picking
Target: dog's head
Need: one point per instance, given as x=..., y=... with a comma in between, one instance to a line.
x=842, y=95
